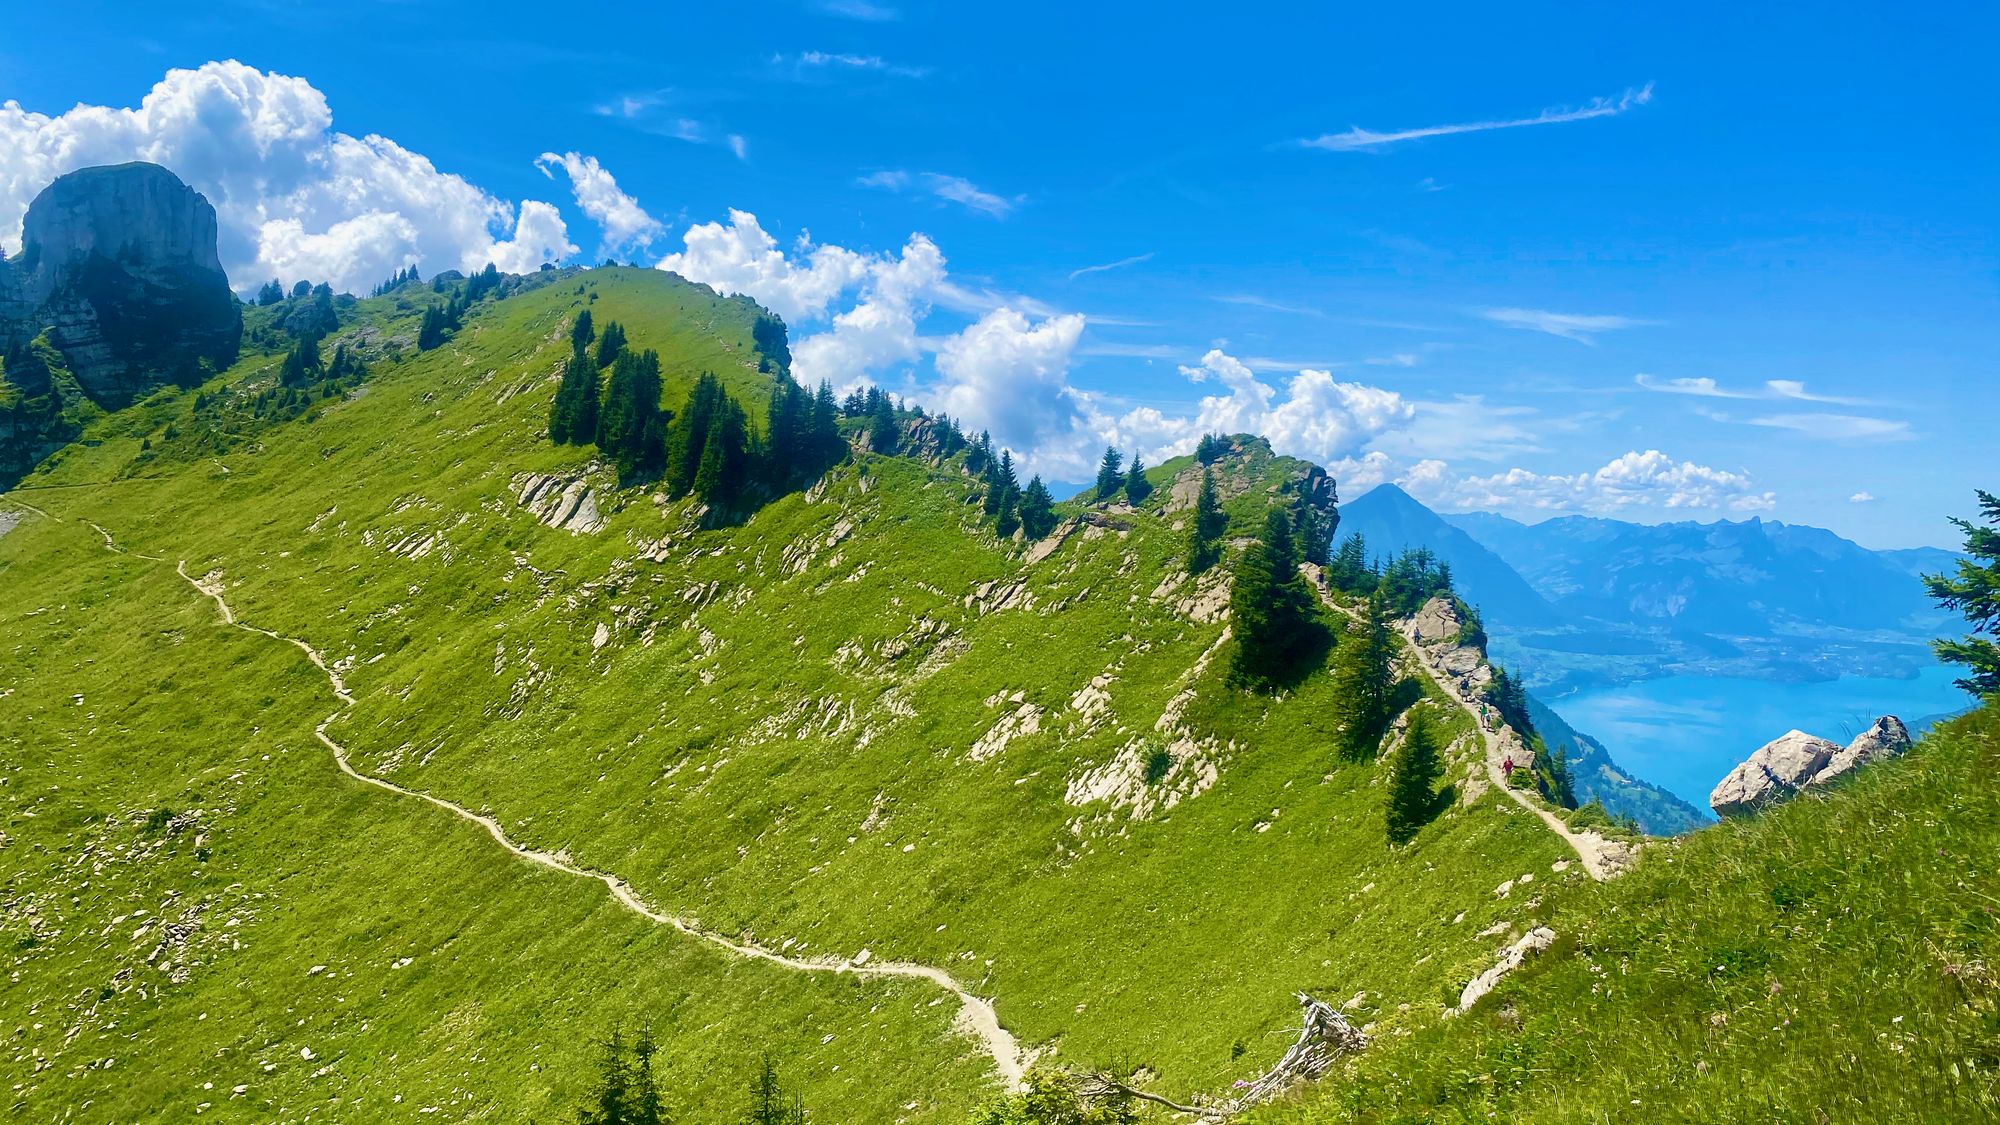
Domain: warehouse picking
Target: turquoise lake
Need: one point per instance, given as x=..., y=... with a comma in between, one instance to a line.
x=1686, y=732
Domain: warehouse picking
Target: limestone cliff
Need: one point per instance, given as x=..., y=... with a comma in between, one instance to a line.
x=118, y=265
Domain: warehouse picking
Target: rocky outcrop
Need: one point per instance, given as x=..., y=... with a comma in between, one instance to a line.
x=1437, y=628
x=1886, y=738
x=1511, y=958
x=118, y=265
x=562, y=501
x=1795, y=760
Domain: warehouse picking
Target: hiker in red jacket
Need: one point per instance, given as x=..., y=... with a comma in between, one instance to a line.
x=1507, y=767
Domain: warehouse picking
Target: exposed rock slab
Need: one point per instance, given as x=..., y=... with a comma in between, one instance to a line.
x=1513, y=957
x=1795, y=760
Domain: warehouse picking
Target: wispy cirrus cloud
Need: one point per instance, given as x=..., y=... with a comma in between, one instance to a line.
x=1837, y=427
x=1570, y=326
x=952, y=189
x=807, y=64
x=1703, y=387
x=1357, y=139
x=654, y=111
x=1117, y=265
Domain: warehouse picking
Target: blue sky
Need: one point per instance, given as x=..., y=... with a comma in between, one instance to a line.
x=1690, y=264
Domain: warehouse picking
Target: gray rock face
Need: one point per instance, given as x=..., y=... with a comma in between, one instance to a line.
x=119, y=265
x=1784, y=766
x=1885, y=739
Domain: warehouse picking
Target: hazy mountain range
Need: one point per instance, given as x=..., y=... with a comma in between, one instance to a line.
x=1582, y=602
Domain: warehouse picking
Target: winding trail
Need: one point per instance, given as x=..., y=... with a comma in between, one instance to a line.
x=977, y=1015
x=1602, y=858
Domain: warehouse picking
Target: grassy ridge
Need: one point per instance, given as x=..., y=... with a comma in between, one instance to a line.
x=788, y=729
x=1833, y=959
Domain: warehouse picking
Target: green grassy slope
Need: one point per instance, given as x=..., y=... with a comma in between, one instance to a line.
x=1830, y=960
x=788, y=730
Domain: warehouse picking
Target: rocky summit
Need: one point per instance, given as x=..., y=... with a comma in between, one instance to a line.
x=119, y=266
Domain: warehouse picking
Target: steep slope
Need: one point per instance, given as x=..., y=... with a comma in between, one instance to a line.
x=1829, y=960
x=1391, y=520
x=1598, y=778
x=855, y=728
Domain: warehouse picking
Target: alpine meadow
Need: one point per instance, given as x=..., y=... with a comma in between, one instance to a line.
x=731, y=677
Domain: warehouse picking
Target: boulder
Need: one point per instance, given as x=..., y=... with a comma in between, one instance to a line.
x=1885, y=739
x=1782, y=767
x=1778, y=769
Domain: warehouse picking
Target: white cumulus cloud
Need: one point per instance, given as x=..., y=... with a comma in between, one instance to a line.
x=624, y=222
x=1629, y=482
x=294, y=198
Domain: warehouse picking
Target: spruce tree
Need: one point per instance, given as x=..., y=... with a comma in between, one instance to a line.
x=827, y=446
x=1009, y=521
x=1110, y=477
x=1974, y=592
x=882, y=430
x=1364, y=681
x=582, y=332
x=432, y=332
x=1038, y=516
x=1315, y=537
x=1137, y=487
x=610, y=344
x=1413, y=771
x=302, y=364
x=689, y=433
x=573, y=414
x=1349, y=571
x=630, y=419
x=1205, y=530
x=1271, y=609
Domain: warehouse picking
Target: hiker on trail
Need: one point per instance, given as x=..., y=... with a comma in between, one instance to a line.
x=1507, y=767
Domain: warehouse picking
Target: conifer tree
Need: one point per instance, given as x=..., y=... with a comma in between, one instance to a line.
x=1110, y=476
x=769, y=1104
x=1038, y=516
x=573, y=414
x=1314, y=535
x=1205, y=530
x=1009, y=520
x=882, y=431
x=610, y=344
x=432, y=332
x=302, y=364
x=1349, y=571
x=1210, y=449
x=1137, y=487
x=1271, y=610
x=582, y=332
x=1002, y=488
x=1975, y=592
x=1364, y=681
x=270, y=294
x=1413, y=771
x=689, y=434
x=827, y=446
x=630, y=418
x=1554, y=778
